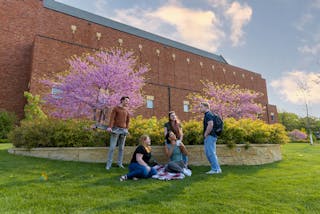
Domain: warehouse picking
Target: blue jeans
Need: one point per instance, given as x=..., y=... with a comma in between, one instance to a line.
x=114, y=138
x=139, y=171
x=210, y=150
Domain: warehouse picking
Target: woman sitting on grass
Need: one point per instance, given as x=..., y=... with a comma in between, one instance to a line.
x=139, y=165
x=177, y=154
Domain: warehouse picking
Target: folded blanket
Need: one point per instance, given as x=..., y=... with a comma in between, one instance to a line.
x=165, y=176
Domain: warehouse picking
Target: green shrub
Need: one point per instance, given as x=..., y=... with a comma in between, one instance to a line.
x=278, y=134
x=57, y=133
x=233, y=133
x=7, y=121
x=152, y=127
x=32, y=110
x=73, y=133
x=192, y=132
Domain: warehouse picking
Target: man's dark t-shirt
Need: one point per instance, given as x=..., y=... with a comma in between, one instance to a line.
x=208, y=116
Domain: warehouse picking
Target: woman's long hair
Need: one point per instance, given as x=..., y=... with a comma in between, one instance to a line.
x=175, y=125
x=142, y=140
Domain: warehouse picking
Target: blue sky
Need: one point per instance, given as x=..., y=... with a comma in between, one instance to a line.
x=280, y=39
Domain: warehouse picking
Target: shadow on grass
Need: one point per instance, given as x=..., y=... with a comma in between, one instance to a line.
x=20, y=171
x=162, y=191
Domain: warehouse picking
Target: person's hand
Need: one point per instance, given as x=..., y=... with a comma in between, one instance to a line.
x=109, y=129
x=148, y=168
x=178, y=142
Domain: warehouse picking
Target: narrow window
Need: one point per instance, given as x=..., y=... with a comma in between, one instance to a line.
x=55, y=92
x=272, y=116
x=150, y=100
x=186, y=106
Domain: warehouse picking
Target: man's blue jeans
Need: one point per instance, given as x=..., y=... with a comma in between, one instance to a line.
x=114, y=138
x=139, y=171
x=210, y=150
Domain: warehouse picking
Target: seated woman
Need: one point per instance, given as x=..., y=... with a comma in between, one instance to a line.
x=176, y=152
x=174, y=125
x=139, y=165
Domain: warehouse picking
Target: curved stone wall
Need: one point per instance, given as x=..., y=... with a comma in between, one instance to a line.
x=256, y=154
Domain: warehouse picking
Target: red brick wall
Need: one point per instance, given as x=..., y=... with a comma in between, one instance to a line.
x=30, y=28
x=17, y=29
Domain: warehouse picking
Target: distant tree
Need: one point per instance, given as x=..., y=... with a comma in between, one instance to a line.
x=314, y=123
x=32, y=110
x=97, y=82
x=290, y=120
x=228, y=100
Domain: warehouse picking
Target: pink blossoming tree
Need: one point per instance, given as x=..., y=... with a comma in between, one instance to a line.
x=228, y=100
x=96, y=82
x=297, y=135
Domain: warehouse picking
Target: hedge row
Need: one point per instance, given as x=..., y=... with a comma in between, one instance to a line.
x=73, y=133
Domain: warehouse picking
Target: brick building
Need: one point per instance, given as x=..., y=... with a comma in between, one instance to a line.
x=38, y=36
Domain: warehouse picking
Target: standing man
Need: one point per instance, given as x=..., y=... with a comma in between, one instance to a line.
x=210, y=138
x=118, y=127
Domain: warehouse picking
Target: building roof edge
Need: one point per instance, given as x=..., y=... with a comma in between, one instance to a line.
x=75, y=12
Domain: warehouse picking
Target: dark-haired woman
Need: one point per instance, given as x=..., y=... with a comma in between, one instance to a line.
x=174, y=125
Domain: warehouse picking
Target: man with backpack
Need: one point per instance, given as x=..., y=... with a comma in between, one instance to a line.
x=211, y=127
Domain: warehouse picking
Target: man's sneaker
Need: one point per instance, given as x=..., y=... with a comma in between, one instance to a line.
x=187, y=172
x=211, y=172
x=135, y=178
x=121, y=166
x=123, y=178
x=107, y=167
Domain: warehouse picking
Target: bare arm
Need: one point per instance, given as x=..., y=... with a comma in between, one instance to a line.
x=183, y=149
x=209, y=128
x=141, y=161
x=181, y=138
x=169, y=151
x=165, y=131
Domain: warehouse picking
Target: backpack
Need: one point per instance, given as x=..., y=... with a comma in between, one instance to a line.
x=217, y=124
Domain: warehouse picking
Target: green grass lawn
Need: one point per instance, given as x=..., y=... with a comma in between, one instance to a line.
x=289, y=186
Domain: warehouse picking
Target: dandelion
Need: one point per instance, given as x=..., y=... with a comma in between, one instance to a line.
x=44, y=176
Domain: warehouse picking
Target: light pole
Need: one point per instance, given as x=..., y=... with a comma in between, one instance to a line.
x=308, y=125
x=304, y=90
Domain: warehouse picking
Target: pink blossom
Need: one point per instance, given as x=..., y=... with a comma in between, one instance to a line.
x=97, y=81
x=228, y=100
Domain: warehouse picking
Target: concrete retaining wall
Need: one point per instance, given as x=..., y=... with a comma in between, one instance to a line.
x=255, y=155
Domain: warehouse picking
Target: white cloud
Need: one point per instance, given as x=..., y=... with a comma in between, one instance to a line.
x=195, y=27
x=239, y=16
x=306, y=49
x=303, y=21
x=201, y=28
x=100, y=6
x=316, y=4
x=298, y=84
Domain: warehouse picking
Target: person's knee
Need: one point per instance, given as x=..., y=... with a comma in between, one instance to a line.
x=144, y=172
x=152, y=172
x=111, y=149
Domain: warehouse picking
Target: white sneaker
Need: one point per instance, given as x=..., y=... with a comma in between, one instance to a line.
x=123, y=178
x=107, y=167
x=211, y=172
x=121, y=166
x=187, y=172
